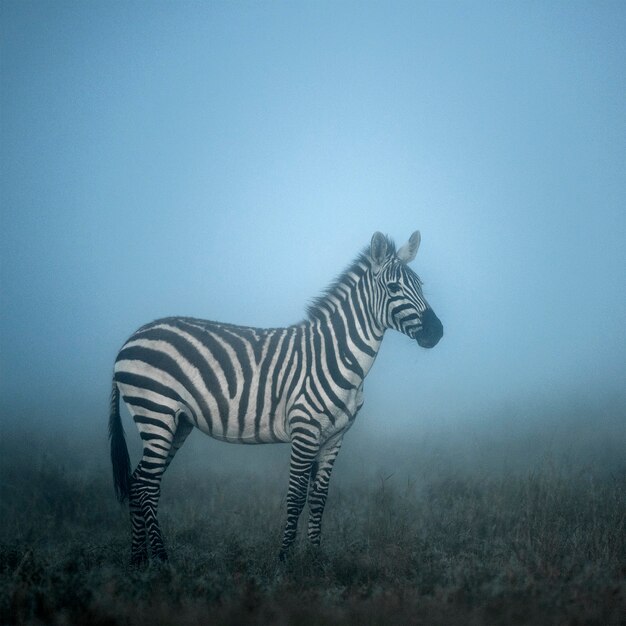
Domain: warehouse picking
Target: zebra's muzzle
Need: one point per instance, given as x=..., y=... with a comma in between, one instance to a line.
x=431, y=332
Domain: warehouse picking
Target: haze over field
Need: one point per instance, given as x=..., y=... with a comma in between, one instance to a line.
x=227, y=160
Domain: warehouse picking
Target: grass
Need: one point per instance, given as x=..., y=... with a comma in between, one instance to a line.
x=466, y=530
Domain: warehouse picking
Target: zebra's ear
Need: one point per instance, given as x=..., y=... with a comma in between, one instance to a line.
x=408, y=251
x=379, y=249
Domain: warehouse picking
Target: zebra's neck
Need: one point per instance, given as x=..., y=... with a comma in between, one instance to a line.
x=346, y=323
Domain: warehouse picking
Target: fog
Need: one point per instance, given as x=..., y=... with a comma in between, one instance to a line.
x=228, y=160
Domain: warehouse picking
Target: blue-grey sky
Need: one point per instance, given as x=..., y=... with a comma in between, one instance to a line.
x=227, y=159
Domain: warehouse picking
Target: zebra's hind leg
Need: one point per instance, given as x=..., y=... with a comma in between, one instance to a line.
x=318, y=486
x=161, y=442
x=303, y=453
x=139, y=546
x=144, y=498
x=182, y=432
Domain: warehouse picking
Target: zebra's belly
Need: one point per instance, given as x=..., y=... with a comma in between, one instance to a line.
x=250, y=427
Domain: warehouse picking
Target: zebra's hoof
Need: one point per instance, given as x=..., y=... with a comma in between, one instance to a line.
x=160, y=557
x=139, y=561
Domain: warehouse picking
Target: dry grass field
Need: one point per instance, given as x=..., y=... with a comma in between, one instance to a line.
x=495, y=525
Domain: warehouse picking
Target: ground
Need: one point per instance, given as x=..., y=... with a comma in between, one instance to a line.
x=434, y=530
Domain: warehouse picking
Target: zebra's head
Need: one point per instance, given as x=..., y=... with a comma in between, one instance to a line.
x=398, y=299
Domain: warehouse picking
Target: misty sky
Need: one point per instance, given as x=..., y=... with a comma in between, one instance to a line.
x=228, y=160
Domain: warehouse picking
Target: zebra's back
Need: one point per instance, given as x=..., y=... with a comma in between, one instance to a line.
x=233, y=382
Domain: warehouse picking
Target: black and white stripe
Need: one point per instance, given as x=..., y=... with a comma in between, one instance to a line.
x=301, y=385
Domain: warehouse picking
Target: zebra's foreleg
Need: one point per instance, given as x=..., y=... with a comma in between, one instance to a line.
x=318, y=486
x=303, y=453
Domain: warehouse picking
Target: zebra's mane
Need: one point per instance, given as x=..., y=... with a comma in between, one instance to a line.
x=324, y=301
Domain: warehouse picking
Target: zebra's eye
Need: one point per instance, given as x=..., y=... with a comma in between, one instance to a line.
x=394, y=287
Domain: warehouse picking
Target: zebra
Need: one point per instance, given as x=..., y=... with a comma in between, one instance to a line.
x=302, y=385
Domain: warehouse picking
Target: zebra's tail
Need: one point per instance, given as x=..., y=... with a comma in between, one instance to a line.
x=119, y=452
